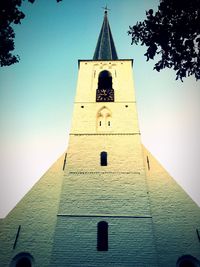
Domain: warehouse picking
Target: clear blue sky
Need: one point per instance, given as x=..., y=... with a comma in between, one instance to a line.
x=36, y=95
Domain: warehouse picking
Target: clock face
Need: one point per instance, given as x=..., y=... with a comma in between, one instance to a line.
x=105, y=95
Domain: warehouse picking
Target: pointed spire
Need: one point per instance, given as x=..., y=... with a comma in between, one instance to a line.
x=105, y=49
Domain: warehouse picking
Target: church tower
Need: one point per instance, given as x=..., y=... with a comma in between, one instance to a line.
x=104, y=212
x=107, y=201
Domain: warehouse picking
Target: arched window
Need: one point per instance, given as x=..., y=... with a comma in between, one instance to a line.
x=105, y=80
x=187, y=261
x=105, y=92
x=102, y=236
x=103, y=158
x=22, y=259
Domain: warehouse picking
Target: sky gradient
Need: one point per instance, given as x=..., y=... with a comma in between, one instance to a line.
x=36, y=95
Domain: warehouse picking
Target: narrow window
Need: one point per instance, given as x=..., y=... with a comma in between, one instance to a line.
x=104, y=158
x=108, y=123
x=100, y=123
x=17, y=235
x=148, y=163
x=198, y=234
x=102, y=236
x=64, y=163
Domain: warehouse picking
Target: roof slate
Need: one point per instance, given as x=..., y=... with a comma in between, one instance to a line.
x=105, y=48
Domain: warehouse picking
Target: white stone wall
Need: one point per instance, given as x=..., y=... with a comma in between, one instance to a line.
x=175, y=215
x=129, y=243
x=123, y=110
x=116, y=193
x=121, y=71
x=36, y=213
x=123, y=153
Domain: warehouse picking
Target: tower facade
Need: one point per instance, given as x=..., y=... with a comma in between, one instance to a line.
x=105, y=178
x=107, y=201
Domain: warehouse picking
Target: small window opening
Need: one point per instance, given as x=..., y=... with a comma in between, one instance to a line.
x=148, y=163
x=82, y=106
x=16, y=238
x=104, y=158
x=102, y=236
x=126, y=106
x=108, y=123
x=100, y=123
x=64, y=163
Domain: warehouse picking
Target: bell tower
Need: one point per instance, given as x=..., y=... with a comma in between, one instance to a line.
x=104, y=211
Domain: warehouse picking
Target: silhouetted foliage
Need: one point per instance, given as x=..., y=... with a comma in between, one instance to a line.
x=173, y=33
x=9, y=14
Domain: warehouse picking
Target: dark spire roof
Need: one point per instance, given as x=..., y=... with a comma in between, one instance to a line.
x=105, y=49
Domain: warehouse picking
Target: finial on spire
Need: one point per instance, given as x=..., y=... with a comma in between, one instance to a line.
x=105, y=9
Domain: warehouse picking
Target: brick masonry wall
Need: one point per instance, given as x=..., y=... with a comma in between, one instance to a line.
x=124, y=153
x=122, y=79
x=76, y=241
x=175, y=215
x=36, y=213
x=117, y=192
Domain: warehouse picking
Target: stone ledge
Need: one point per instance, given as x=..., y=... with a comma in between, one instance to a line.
x=104, y=172
x=105, y=216
x=78, y=134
